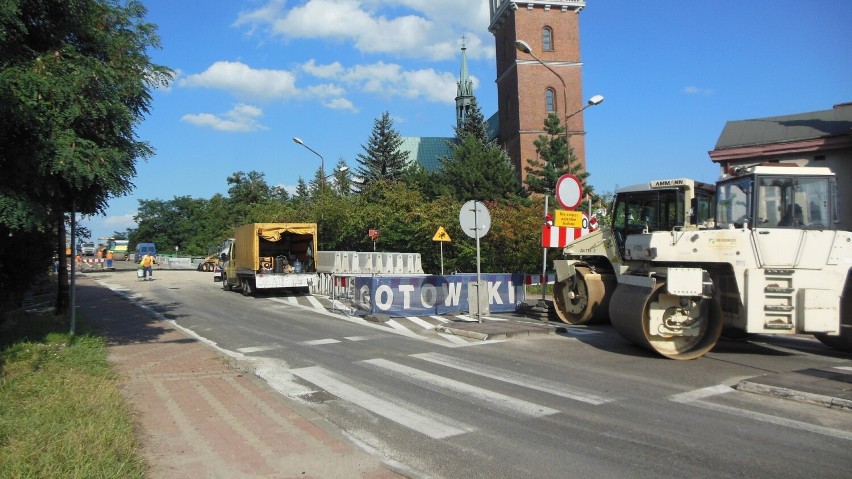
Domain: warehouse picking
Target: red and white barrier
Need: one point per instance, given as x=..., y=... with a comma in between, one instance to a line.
x=537, y=279
x=559, y=237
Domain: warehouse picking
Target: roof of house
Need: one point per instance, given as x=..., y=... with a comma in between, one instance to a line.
x=787, y=128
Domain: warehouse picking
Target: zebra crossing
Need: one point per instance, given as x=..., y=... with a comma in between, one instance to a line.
x=373, y=396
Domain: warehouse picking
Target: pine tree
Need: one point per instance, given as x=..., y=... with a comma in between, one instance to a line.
x=474, y=124
x=478, y=171
x=382, y=158
x=555, y=160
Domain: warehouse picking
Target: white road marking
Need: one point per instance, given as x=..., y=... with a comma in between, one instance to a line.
x=423, y=324
x=432, y=425
x=694, y=398
x=845, y=368
x=702, y=393
x=314, y=302
x=471, y=319
x=454, y=339
x=440, y=318
x=286, y=300
x=257, y=349
x=318, y=342
x=400, y=328
x=511, y=377
x=357, y=338
x=477, y=395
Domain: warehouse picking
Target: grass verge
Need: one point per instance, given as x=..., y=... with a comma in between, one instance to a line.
x=61, y=411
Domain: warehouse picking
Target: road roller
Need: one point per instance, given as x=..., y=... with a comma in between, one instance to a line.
x=763, y=251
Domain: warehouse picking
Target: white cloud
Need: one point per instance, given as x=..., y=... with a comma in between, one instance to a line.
x=241, y=118
x=389, y=79
x=406, y=28
x=694, y=90
x=243, y=80
x=121, y=221
x=340, y=104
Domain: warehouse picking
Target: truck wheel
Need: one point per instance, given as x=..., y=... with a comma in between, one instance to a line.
x=656, y=320
x=842, y=342
x=246, y=289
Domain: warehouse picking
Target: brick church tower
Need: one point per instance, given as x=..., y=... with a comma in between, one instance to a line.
x=527, y=90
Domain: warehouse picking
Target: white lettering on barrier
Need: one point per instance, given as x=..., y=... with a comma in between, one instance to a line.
x=494, y=293
x=428, y=295
x=452, y=293
x=387, y=292
x=364, y=296
x=406, y=290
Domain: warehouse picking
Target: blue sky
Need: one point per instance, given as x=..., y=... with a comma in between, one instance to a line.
x=253, y=74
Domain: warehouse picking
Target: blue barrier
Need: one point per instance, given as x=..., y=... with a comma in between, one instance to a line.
x=425, y=295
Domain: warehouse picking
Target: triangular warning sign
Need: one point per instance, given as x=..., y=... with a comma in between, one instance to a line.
x=441, y=235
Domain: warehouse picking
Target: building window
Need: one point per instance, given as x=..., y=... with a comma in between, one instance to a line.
x=547, y=39
x=550, y=100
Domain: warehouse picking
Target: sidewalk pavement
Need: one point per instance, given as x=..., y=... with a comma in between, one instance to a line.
x=200, y=416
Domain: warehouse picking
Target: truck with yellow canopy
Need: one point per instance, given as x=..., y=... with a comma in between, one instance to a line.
x=270, y=256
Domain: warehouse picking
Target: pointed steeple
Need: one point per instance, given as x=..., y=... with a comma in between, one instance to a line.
x=464, y=92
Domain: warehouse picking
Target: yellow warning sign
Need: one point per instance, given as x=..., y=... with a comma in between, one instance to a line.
x=568, y=219
x=441, y=235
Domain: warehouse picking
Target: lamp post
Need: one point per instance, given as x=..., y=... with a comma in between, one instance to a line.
x=524, y=47
x=322, y=169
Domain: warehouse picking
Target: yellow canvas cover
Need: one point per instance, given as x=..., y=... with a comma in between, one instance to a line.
x=247, y=240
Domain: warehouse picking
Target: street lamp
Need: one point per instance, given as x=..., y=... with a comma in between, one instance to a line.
x=342, y=169
x=524, y=47
x=322, y=170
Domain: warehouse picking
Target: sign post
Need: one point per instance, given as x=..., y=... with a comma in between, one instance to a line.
x=374, y=235
x=475, y=221
x=441, y=237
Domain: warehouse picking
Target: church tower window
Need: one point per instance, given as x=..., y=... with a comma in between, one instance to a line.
x=550, y=100
x=547, y=39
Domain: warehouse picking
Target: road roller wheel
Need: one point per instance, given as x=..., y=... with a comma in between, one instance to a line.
x=843, y=342
x=654, y=319
x=583, y=299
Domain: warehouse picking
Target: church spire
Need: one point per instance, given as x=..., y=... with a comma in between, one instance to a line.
x=464, y=92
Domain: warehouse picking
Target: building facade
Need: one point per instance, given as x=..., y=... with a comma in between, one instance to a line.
x=527, y=90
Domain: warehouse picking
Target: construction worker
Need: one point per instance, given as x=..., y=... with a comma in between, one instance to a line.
x=147, y=265
x=109, y=257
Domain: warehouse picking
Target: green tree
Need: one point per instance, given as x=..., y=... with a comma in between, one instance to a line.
x=479, y=171
x=74, y=82
x=555, y=160
x=474, y=124
x=342, y=178
x=248, y=188
x=382, y=158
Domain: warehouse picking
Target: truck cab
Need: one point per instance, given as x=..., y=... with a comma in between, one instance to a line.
x=145, y=248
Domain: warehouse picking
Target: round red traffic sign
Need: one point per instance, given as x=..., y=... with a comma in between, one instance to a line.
x=569, y=191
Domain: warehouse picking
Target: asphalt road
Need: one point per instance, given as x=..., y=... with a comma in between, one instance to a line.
x=581, y=404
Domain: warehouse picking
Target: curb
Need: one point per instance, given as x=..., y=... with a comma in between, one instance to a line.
x=463, y=333
x=794, y=395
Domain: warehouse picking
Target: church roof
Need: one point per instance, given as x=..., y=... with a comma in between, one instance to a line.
x=427, y=150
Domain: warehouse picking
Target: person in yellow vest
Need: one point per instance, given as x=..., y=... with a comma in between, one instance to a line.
x=147, y=265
